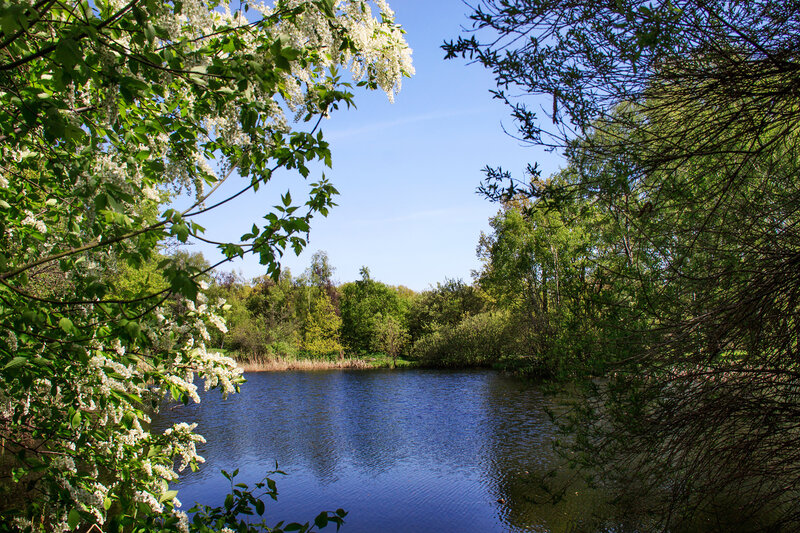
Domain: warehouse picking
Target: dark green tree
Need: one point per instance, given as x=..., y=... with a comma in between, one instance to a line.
x=446, y=304
x=680, y=119
x=541, y=265
x=363, y=301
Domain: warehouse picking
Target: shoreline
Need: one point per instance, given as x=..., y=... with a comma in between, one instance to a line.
x=368, y=362
x=311, y=364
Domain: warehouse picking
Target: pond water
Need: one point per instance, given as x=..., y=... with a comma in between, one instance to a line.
x=417, y=450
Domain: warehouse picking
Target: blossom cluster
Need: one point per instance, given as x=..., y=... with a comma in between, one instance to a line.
x=98, y=391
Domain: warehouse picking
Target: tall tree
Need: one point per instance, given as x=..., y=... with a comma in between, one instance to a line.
x=390, y=337
x=681, y=119
x=321, y=332
x=364, y=302
x=106, y=108
x=320, y=275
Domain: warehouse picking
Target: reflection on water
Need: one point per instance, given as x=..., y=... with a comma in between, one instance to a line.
x=400, y=451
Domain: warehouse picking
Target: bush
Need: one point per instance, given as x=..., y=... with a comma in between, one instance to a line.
x=479, y=339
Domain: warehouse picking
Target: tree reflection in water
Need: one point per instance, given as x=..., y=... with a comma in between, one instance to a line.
x=400, y=450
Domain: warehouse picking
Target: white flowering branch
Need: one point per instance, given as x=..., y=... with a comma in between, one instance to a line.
x=107, y=109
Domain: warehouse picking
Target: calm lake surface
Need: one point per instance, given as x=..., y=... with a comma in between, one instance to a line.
x=419, y=450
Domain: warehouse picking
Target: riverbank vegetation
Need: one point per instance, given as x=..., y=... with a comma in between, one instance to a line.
x=311, y=322
x=665, y=253
x=538, y=306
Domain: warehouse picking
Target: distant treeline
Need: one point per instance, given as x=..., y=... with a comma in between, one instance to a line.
x=534, y=307
x=309, y=316
x=546, y=302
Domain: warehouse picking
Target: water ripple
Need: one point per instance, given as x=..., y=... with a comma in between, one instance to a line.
x=401, y=451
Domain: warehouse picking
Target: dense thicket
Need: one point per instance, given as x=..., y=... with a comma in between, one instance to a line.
x=311, y=317
x=679, y=121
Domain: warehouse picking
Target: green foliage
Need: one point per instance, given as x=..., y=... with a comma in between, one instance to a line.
x=552, y=276
x=390, y=337
x=364, y=303
x=270, y=325
x=290, y=318
x=681, y=140
x=107, y=110
x=239, y=510
x=322, y=326
x=148, y=278
x=445, y=305
x=477, y=340
x=281, y=319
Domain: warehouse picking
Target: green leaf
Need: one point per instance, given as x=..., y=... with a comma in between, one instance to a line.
x=9, y=23
x=74, y=519
x=66, y=325
x=127, y=420
x=321, y=520
x=18, y=473
x=290, y=53
x=168, y=495
x=133, y=329
x=282, y=63
x=328, y=7
x=67, y=53
x=41, y=361
x=14, y=363
x=181, y=231
x=75, y=421
x=182, y=283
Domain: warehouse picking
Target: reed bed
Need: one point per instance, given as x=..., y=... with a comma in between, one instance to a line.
x=279, y=365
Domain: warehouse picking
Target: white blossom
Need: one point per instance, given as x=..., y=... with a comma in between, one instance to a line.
x=31, y=220
x=100, y=388
x=11, y=340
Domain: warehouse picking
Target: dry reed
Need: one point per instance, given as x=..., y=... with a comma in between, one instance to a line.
x=279, y=365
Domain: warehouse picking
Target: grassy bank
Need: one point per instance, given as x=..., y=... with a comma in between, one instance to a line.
x=285, y=364
x=519, y=365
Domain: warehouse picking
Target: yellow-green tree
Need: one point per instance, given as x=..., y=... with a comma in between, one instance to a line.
x=321, y=333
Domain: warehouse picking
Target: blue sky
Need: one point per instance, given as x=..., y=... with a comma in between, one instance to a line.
x=406, y=172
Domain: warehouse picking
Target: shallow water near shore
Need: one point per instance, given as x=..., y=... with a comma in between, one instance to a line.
x=415, y=450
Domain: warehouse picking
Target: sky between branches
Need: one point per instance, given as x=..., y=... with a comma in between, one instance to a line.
x=406, y=172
